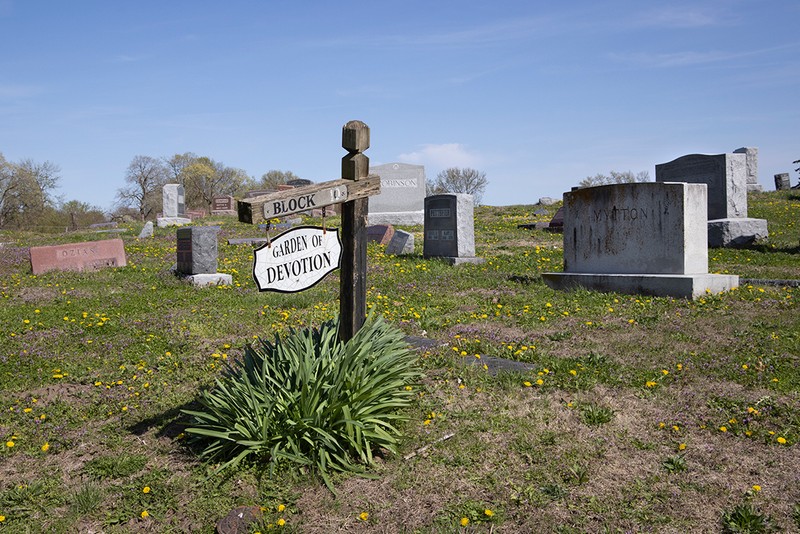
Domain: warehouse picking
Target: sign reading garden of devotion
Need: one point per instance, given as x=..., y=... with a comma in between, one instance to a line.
x=297, y=259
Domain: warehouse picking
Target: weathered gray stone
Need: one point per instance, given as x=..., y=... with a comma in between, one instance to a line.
x=738, y=232
x=547, y=201
x=751, y=165
x=209, y=279
x=402, y=197
x=724, y=174
x=174, y=203
x=402, y=242
x=147, y=230
x=450, y=229
x=164, y=222
x=646, y=238
x=197, y=250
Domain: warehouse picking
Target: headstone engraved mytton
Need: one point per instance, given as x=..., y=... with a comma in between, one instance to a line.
x=751, y=167
x=726, y=178
x=450, y=229
x=647, y=238
x=86, y=256
x=402, y=197
x=197, y=256
x=782, y=182
x=173, y=206
x=402, y=243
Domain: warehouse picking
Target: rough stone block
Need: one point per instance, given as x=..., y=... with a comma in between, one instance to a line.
x=738, y=232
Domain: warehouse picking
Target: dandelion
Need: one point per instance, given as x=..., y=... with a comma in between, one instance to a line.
x=363, y=516
x=464, y=521
x=281, y=507
x=146, y=489
x=573, y=372
x=756, y=488
x=144, y=514
x=682, y=447
x=2, y=518
x=9, y=444
x=650, y=384
x=527, y=384
x=488, y=513
x=723, y=429
x=781, y=440
x=45, y=447
x=280, y=522
x=664, y=372
x=539, y=382
x=679, y=367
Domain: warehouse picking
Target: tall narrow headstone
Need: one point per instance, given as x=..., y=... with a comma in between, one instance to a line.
x=450, y=229
x=645, y=238
x=173, y=209
x=751, y=166
x=402, y=195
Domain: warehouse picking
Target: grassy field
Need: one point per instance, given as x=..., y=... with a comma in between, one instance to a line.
x=633, y=413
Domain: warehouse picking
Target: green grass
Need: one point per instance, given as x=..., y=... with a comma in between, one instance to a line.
x=617, y=426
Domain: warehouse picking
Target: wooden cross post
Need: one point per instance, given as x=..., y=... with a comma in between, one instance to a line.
x=353, y=276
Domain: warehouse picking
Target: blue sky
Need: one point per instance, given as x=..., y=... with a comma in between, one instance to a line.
x=538, y=95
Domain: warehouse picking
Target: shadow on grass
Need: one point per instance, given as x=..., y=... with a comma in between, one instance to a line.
x=170, y=423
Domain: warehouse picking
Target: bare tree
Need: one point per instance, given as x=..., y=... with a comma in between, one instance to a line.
x=457, y=180
x=145, y=178
x=26, y=191
x=274, y=177
x=177, y=164
x=615, y=177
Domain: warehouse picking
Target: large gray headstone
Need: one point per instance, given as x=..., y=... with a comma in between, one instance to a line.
x=450, y=228
x=724, y=174
x=174, y=201
x=646, y=238
x=402, y=196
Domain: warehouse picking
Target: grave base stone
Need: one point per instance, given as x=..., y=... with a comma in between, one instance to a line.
x=737, y=232
x=210, y=279
x=689, y=286
x=402, y=243
x=164, y=222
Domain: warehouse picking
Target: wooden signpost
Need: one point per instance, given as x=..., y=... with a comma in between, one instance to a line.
x=352, y=192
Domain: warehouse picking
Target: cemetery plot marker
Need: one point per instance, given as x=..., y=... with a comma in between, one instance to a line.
x=303, y=256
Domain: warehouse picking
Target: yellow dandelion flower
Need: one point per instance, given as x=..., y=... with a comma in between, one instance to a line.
x=464, y=521
x=146, y=489
x=45, y=447
x=756, y=488
x=527, y=384
x=144, y=514
x=723, y=429
x=2, y=518
x=280, y=522
x=781, y=440
x=573, y=372
x=539, y=382
x=9, y=444
x=650, y=384
x=488, y=513
x=281, y=507
x=682, y=447
x=363, y=516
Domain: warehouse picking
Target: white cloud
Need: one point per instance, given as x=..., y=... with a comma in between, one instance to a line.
x=441, y=156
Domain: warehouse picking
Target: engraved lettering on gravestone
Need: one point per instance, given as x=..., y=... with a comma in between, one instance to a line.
x=448, y=235
x=432, y=235
x=616, y=214
x=443, y=212
x=399, y=183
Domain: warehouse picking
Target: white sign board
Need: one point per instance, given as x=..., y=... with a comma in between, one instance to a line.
x=297, y=259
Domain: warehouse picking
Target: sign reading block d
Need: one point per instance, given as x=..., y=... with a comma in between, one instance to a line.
x=297, y=259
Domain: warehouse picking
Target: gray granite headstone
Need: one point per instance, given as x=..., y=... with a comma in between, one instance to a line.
x=751, y=164
x=147, y=230
x=402, y=242
x=197, y=250
x=782, y=181
x=450, y=228
x=299, y=182
x=724, y=174
x=402, y=197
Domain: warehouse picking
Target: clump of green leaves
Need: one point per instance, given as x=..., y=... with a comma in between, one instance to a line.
x=310, y=399
x=746, y=518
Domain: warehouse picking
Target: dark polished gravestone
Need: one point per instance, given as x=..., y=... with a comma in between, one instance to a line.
x=450, y=229
x=782, y=182
x=223, y=205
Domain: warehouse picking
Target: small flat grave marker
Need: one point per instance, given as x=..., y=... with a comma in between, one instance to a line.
x=86, y=256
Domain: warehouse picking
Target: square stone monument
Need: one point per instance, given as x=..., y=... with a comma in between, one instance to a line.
x=223, y=205
x=782, y=182
x=197, y=256
x=450, y=229
x=173, y=207
x=402, y=197
x=726, y=178
x=639, y=238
